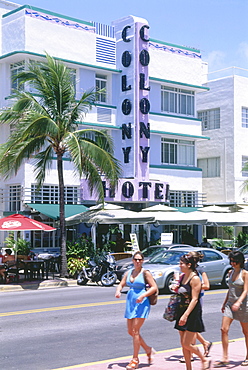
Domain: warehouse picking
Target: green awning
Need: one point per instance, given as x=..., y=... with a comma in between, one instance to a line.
x=187, y=209
x=52, y=210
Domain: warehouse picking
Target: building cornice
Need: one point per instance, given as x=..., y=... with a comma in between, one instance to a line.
x=197, y=87
x=47, y=12
x=90, y=66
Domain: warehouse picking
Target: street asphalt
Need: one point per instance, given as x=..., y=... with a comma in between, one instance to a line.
x=167, y=359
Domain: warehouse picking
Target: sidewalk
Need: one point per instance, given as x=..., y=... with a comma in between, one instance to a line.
x=168, y=359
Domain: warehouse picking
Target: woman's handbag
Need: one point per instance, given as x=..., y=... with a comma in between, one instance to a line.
x=170, y=312
x=153, y=298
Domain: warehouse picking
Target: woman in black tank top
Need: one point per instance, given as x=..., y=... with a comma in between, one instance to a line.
x=189, y=318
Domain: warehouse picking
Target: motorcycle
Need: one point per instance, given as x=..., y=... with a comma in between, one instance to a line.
x=100, y=269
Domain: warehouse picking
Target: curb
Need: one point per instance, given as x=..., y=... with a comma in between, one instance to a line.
x=40, y=284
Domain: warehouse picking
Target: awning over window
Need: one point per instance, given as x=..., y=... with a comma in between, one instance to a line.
x=52, y=210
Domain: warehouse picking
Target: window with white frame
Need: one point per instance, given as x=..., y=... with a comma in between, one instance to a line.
x=210, y=119
x=182, y=198
x=177, y=101
x=15, y=192
x=244, y=166
x=15, y=69
x=49, y=194
x=244, y=117
x=210, y=166
x=101, y=88
x=179, y=152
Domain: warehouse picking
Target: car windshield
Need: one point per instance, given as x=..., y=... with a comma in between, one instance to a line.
x=150, y=251
x=244, y=249
x=170, y=257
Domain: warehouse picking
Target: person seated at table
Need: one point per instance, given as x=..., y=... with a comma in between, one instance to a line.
x=8, y=258
x=120, y=243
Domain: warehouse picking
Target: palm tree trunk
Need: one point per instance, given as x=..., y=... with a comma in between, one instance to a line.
x=64, y=269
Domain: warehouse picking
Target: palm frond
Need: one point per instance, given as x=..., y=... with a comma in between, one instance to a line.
x=43, y=163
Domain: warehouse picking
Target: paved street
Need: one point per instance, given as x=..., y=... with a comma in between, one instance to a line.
x=63, y=327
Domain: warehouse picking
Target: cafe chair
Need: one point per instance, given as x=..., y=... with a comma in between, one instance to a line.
x=12, y=271
x=34, y=270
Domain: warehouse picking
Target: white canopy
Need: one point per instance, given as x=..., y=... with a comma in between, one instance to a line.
x=159, y=207
x=115, y=216
x=178, y=218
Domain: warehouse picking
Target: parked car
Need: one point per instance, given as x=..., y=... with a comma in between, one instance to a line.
x=214, y=263
x=123, y=265
x=244, y=250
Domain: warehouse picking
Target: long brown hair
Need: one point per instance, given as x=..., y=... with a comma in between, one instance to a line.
x=187, y=258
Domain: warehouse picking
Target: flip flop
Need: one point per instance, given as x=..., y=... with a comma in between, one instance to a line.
x=221, y=363
x=182, y=360
x=244, y=363
x=208, y=365
x=206, y=353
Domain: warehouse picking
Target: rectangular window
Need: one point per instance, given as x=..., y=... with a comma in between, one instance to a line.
x=244, y=166
x=15, y=69
x=178, y=101
x=179, y=152
x=244, y=117
x=101, y=88
x=210, y=119
x=210, y=167
x=183, y=198
x=49, y=194
x=15, y=192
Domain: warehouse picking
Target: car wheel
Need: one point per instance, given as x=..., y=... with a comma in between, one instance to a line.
x=168, y=283
x=225, y=279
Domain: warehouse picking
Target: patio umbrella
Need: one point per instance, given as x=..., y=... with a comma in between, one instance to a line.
x=160, y=207
x=19, y=222
x=114, y=216
x=214, y=209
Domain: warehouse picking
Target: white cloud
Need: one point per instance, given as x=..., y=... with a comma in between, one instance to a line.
x=216, y=60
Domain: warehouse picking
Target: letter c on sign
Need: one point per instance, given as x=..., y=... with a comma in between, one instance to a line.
x=142, y=33
x=124, y=34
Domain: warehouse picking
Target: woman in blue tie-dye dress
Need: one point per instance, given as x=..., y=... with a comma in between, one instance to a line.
x=137, y=305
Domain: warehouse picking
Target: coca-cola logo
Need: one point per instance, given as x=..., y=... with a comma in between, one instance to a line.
x=13, y=224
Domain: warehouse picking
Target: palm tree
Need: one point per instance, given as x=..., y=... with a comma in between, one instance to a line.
x=244, y=185
x=46, y=126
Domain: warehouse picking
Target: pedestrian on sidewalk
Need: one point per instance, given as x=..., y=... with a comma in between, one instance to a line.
x=235, y=306
x=205, y=286
x=189, y=316
x=137, y=306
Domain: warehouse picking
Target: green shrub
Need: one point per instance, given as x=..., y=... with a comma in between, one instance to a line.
x=75, y=265
x=218, y=243
x=80, y=248
x=20, y=246
x=242, y=239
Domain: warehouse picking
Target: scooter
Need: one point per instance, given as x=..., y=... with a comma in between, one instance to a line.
x=100, y=269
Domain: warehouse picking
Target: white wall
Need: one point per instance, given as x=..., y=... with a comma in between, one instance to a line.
x=229, y=142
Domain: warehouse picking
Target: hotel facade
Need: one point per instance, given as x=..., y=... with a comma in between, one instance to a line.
x=147, y=103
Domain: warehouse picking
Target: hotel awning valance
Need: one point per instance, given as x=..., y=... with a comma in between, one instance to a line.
x=52, y=210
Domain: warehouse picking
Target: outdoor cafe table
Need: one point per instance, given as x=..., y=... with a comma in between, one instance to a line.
x=32, y=266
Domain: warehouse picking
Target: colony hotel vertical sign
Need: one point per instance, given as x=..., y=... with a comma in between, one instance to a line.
x=132, y=55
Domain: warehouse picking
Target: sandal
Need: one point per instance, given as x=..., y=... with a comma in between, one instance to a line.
x=182, y=360
x=133, y=364
x=245, y=362
x=207, y=366
x=221, y=363
x=207, y=349
x=150, y=356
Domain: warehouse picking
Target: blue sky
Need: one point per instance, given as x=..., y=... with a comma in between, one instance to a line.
x=219, y=28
